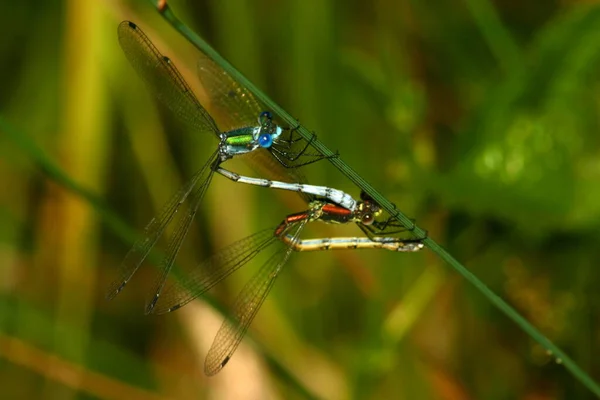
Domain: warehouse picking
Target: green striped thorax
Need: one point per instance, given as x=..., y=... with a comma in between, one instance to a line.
x=249, y=138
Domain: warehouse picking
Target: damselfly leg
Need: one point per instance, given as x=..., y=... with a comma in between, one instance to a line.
x=291, y=148
x=386, y=227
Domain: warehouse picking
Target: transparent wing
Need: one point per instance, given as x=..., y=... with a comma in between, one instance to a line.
x=212, y=271
x=245, y=307
x=155, y=229
x=175, y=243
x=163, y=79
x=236, y=106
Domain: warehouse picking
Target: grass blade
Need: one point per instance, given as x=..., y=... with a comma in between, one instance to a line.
x=164, y=9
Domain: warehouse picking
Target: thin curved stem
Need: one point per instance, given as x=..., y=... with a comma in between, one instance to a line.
x=164, y=9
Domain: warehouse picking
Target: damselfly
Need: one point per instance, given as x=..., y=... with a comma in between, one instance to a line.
x=287, y=234
x=249, y=130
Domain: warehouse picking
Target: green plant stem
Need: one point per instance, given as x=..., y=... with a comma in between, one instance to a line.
x=351, y=174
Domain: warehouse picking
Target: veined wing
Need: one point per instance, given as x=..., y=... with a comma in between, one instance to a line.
x=212, y=271
x=155, y=229
x=236, y=105
x=245, y=308
x=175, y=243
x=163, y=78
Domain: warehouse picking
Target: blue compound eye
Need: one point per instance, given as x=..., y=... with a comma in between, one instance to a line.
x=265, y=140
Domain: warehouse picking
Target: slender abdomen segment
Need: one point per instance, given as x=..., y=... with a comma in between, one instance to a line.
x=333, y=195
x=345, y=243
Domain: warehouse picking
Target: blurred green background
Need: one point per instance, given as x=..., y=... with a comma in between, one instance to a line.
x=480, y=120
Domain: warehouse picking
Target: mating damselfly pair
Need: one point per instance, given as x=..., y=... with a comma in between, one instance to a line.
x=251, y=130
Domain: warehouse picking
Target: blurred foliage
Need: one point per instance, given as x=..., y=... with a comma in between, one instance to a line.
x=478, y=119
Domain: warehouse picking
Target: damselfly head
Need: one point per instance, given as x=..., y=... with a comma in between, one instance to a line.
x=268, y=130
x=367, y=211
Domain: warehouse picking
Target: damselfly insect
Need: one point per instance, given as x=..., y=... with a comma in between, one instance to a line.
x=249, y=130
x=287, y=234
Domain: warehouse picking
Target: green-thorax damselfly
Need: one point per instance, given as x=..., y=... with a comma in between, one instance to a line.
x=249, y=130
